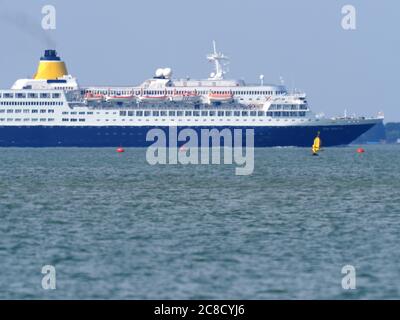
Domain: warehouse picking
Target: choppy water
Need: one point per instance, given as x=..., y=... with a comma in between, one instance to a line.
x=116, y=227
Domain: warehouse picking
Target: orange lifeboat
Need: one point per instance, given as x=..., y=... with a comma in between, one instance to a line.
x=93, y=97
x=220, y=97
x=118, y=98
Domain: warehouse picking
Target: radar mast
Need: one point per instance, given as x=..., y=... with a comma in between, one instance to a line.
x=220, y=61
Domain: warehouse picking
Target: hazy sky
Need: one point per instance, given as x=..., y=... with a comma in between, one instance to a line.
x=122, y=42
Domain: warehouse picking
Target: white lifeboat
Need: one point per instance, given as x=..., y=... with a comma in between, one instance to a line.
x=153, y=98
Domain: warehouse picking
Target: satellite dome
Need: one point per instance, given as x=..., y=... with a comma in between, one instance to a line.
x=167, y=72
x=159, y=72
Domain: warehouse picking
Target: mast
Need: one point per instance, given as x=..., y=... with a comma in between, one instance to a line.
x=220, y=61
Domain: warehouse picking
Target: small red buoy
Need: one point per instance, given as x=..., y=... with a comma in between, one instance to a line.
x=360, y=150
x=120, y=150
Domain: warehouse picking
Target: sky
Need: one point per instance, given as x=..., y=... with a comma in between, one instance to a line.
x=122, y=42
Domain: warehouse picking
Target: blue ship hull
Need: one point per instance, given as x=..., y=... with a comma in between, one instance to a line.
x=135, y=136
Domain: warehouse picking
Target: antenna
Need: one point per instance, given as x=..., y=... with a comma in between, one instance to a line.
x=262, y=79
x=215, y=47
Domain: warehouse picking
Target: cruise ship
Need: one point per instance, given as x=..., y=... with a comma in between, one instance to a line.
x=52, y=110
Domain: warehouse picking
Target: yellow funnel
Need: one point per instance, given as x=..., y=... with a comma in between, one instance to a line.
x=50, y=67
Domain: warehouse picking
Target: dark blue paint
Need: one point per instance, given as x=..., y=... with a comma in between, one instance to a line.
x=135, y=136
x=50, y=55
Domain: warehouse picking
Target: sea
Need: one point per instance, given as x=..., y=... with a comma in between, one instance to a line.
x=111, y=226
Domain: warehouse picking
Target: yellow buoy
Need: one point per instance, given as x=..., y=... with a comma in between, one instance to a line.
x=50, y=67
x=317, y=145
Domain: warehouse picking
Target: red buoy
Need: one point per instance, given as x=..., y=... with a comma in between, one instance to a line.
x=120, y=150
x=360, y=150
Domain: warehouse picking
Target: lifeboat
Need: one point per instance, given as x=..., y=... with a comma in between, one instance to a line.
x=118, y=98
x=153, y=98
x=93, y=97
x=220, y=97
